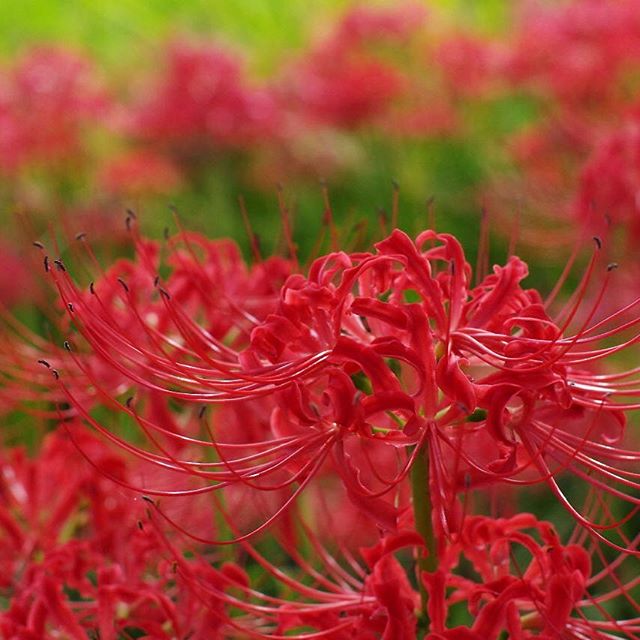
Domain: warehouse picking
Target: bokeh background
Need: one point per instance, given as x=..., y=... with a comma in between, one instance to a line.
x=160, y=105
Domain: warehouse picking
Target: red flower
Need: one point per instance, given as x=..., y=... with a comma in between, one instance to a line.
x=342, y=82
x=610, y=180
x=204, y=101
x=139, y=173
x=359, y=377
x=45, y=102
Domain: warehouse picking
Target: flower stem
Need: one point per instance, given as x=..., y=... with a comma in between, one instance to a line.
x=427, y=560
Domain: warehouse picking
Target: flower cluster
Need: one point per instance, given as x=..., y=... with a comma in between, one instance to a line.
x=45, y=103
x=202, y=102
x=77, y=558
x=577, y=64
x=202, y=110
x=357, y=416
x=383, y=443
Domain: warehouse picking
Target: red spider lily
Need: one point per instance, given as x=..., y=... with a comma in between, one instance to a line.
x=17, y=285
x=543, y=592
x=139, y=173
x=387, y=375
x=577, y=62
x=578, y=52
x=511, y=575
x=204, y=102
x=156, y=585
x=321, y=596
x=342, y=82
x=365, y=363
x=45, y=103
x=609, y=181
x=471, y=66
x=76, y=557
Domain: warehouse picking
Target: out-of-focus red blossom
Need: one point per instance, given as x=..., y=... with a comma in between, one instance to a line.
x=138, y=173
x=204, y=101
x=80, y=557
x=578, y=61
x=16, y=279
x=434, y=119
x=610, y=183
x=346, y=93
x=361, y=23
x=578, y=51
x=470, y=65
x=343, y=81
x=550, y=153
x=46, y=102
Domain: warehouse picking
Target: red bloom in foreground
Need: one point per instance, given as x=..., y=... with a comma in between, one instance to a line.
x=383, y=385
x=370, y=354
x=75, y=556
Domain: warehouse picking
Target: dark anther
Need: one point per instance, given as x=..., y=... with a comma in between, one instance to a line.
x=203, y=408
x=45, y=363
x=156, y=281
x=128, y=402
x=140, y=525
x=131, y=213
x=81, y=236
x=38, y=244
x=59, y=265
x=127, y=222
x=612, y=265
x=598, y=242
x=67, y=345
x=56, y=374
x=92, y=288
x=124, y=284
x=148, y=499
x=165, y=293
x=46, y=263
x=70, y=306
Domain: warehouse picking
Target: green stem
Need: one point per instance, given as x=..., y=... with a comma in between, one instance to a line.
x=427, y=560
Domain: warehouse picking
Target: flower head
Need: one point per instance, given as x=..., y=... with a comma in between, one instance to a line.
x=360, y=364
